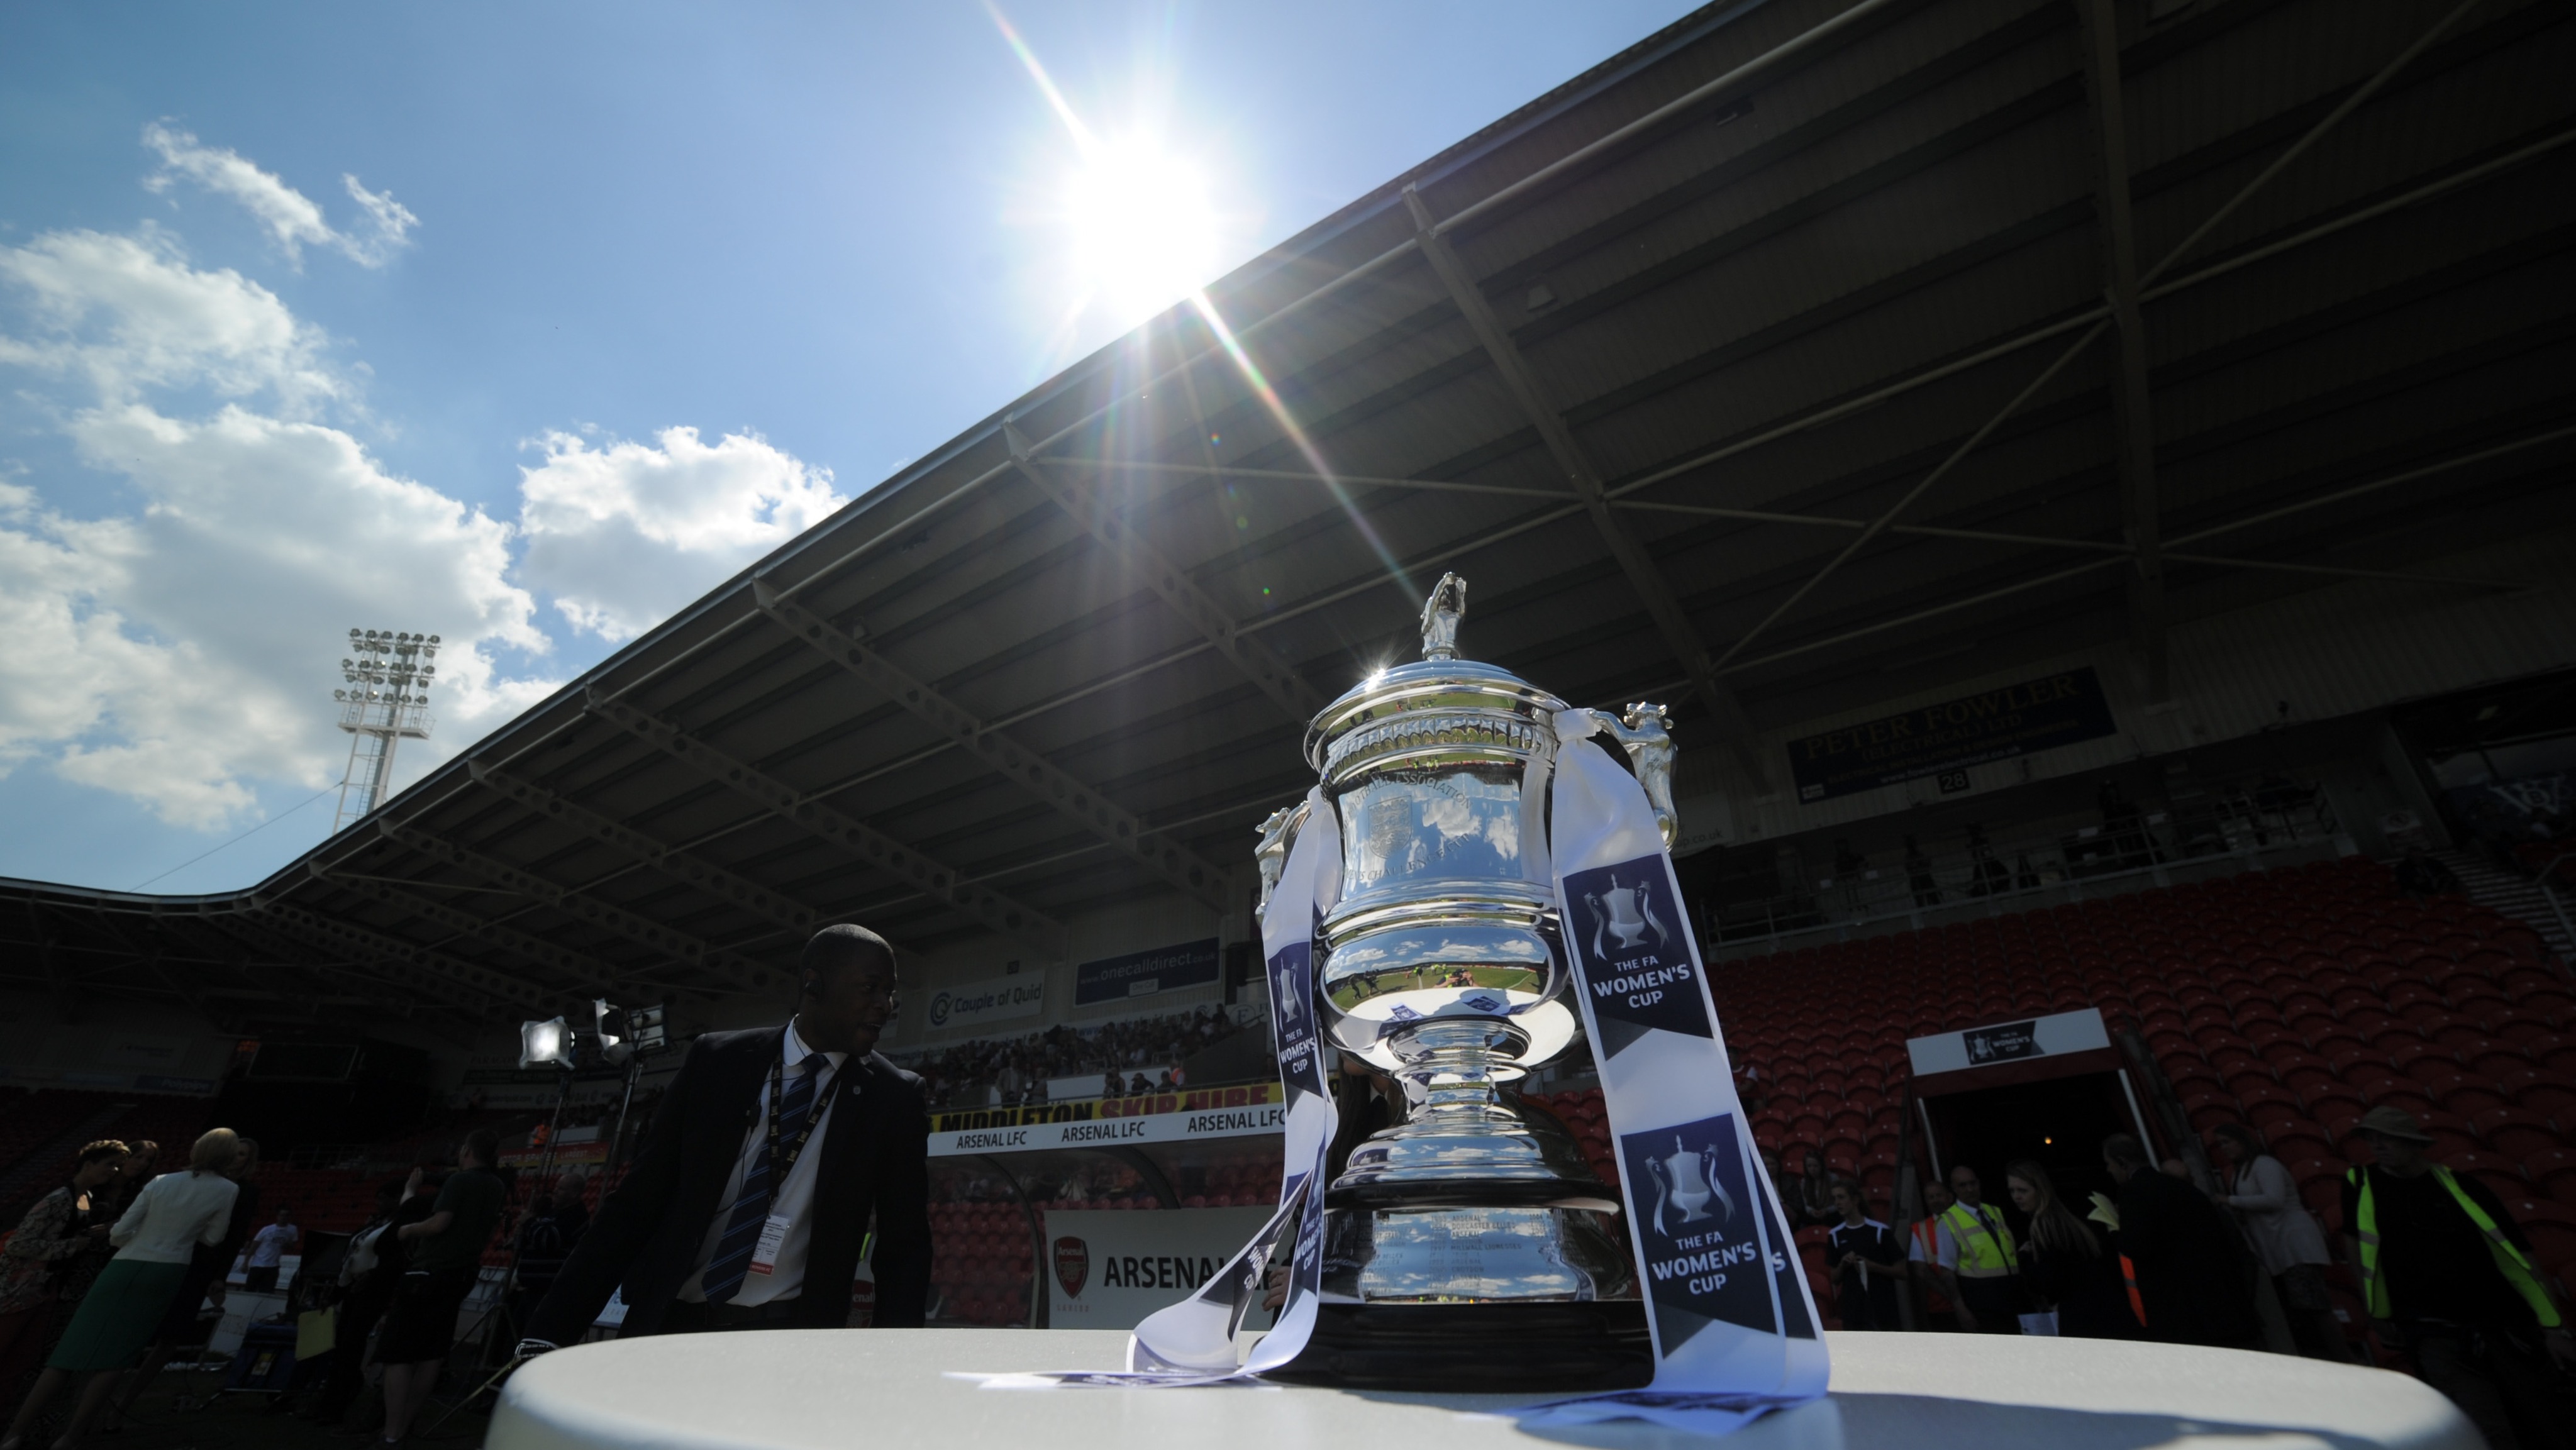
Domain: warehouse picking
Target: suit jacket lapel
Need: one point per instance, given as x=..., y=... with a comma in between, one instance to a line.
x=853, y=1122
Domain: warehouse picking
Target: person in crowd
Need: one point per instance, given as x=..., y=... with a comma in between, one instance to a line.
x=370, y=1274
x=154, y=1239
x=1977, y=1261
x=268, y=1249
x=142, y=1165
x=2447, y=1273
x=1753, y=1086
x=1918, y=875
x=446, y=1249
x=207, y=1266
x=1864, y=1259
x=2422, y=873
x=2192, y=1276
x=55, y=1229
x=1923, y=1257
x=542, y=1250
x=2285, y=1237
x=1815, y=1203
x=1137, y=1087
x=572, y=1207
x=1111, y=1085
x=759, y=1172
x=2066, y=1268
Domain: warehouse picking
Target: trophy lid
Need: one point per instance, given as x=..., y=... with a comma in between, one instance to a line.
x=1439, y=704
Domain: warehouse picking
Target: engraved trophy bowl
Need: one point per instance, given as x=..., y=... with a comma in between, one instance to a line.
x=1469, y=1245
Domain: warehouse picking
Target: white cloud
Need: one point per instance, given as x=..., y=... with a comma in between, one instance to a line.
x=128, y=313
x=184, y=651
x=620, y=536
x=293, y=221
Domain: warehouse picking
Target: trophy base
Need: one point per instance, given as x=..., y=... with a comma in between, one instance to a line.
x=1531, y=1346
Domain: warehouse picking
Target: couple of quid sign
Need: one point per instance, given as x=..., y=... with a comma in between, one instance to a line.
x=1472, y=872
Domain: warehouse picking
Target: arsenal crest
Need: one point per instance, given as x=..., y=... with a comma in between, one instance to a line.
x=1072, y=1265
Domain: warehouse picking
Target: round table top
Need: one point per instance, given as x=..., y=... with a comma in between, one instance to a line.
x=888, y=1389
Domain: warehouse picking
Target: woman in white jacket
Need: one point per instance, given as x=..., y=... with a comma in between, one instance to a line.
x=154, y=1241
x=2286, y=1235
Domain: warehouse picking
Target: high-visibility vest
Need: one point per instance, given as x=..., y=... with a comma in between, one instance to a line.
x=1985, y=1244
x=1928, y=1234
x=2509, y=1260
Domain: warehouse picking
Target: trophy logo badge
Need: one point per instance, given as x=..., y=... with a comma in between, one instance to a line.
x=1685, y=1185
x=1626, y=913
x=1072, y=1265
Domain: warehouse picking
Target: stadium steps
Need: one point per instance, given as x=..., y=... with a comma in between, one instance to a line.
x=2525, y=901
x=22, y=1179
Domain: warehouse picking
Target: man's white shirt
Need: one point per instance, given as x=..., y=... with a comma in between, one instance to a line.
x=794, y=1199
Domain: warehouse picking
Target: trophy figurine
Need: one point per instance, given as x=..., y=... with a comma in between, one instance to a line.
x=1469, y=1245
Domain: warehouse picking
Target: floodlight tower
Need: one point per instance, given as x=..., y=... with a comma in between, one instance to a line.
x=387, y=701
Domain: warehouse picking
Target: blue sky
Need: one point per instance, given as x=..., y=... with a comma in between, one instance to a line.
x=527, y=324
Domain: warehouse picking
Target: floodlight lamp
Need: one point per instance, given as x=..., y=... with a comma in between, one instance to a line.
x=545, y=1043
x=433, y=639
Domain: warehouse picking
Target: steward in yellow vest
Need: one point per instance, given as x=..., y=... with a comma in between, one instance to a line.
x=2447, y=1274
x=1981, y=1265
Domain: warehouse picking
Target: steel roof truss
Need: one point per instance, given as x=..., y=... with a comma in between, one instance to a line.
x=2132, y=412
x=762, y=901
x=589, y=974
x=1174, y=862
x=687, y=949
x=1653, y=589
x=940, y=882
x=1268, y=670
x=478, y=988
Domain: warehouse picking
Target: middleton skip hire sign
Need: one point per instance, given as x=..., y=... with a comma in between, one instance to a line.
x=2040, y=714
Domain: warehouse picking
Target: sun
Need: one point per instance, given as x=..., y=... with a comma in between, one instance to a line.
x=1143, y=228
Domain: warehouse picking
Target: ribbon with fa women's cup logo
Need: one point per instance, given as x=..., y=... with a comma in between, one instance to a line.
x=1196, y=1336
x=1735, y=1331
x=1193, y=1342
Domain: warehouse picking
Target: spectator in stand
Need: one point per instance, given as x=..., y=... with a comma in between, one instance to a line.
x=446, y=1251
x=2188, y=1257
x=1978, y=1264
x=268, y=1249
x=57, y=1228
x=2067, y=1269
x=1815, y=1203
x=2446, y=1271
x=1864, y=1259
x=1137, y=1087
x=572, y=1209
x=2423, y=874
x=2286, y=1238
x=1111, y=1086
x=1923, y=1257
x=155, y=1239
x=207, y=1267
x=1918, y=875
x=1753, y=1087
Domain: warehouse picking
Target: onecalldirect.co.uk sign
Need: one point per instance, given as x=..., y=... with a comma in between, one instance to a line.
x=1138, y=974
x=2041, y=714
x=994, y=999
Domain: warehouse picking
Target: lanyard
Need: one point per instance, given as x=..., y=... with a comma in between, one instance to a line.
x=824, y=1081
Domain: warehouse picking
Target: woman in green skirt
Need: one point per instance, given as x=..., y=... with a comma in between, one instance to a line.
x=155, y=1238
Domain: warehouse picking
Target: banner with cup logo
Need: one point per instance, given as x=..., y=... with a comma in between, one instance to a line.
x=1735, y=1330
x=1192, y=1342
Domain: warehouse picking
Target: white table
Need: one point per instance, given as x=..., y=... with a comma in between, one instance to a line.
x=883, y=1389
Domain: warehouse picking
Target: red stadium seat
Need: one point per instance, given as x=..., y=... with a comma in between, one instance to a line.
x=2552, y=1172
x=2514, y=1133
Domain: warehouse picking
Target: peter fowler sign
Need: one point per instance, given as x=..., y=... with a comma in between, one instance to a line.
x=1138, y=974
x=2061, y=709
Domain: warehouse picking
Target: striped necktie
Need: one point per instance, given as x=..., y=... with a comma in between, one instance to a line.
x=732, y=1257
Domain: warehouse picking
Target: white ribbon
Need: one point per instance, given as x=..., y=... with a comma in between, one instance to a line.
x=1735, y=1329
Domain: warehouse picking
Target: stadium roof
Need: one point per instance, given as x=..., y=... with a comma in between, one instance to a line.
x=1755, y=369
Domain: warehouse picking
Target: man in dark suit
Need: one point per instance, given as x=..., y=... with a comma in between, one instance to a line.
x=2193, y=1277
x=750, y=1195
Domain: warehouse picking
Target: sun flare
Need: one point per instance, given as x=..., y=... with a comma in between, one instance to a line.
x=1142, y=228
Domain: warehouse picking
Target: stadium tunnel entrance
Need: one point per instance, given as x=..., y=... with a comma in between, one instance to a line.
x=2048, y=1089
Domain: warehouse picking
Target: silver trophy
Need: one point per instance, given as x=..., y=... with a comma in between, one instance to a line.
x=1467, y=1245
